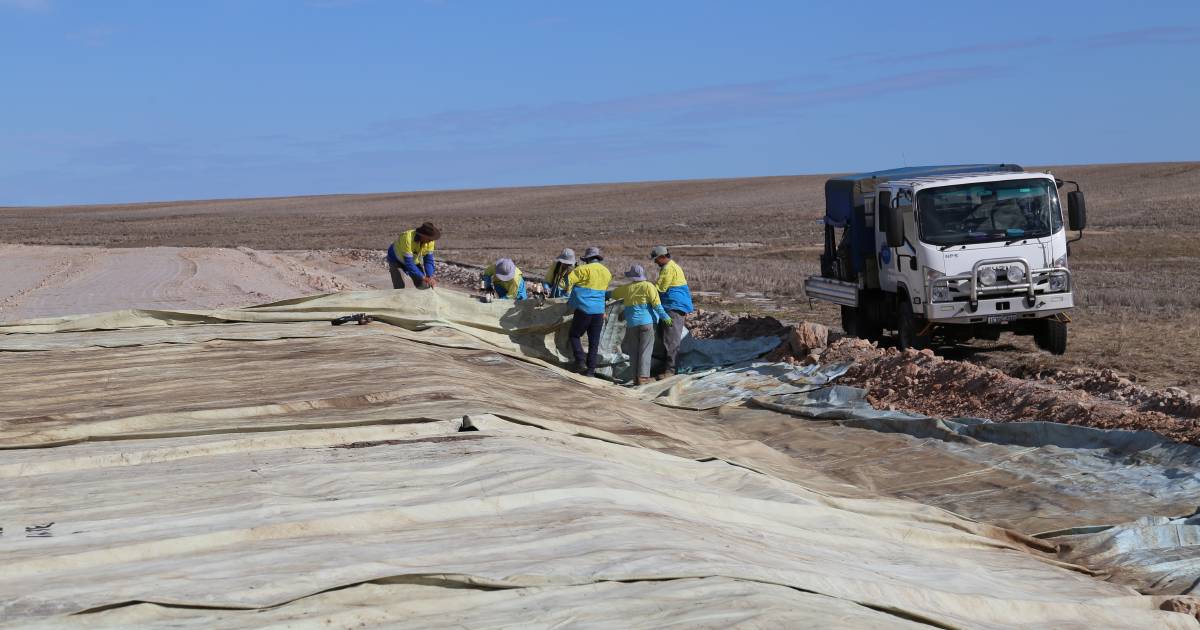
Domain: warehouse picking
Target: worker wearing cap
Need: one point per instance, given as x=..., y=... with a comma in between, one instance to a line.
x=587, y=286
x=643, y=310
x=505, y=279
x=556, y=277
x=676, y=299
x=403, y=256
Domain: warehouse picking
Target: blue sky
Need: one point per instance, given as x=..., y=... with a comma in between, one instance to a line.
x=114, y=101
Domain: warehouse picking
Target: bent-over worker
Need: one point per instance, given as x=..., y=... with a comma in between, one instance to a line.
x=676, y=299
x=412, y=255
x=643, y=310
x=587, y=285
x=556, y=277
x=505, y=279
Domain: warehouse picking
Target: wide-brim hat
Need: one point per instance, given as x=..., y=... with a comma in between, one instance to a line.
x=636, y=273
x=429, y=231
x=567, y=257
x=505, y=270
x=592, y=253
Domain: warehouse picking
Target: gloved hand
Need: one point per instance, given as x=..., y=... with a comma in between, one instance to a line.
x=667, y=321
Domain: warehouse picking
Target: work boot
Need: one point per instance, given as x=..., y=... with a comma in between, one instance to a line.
x=579, y=368
x=666, y=374
x=644, y=380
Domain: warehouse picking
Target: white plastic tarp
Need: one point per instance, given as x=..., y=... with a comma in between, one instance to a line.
x=210, y=470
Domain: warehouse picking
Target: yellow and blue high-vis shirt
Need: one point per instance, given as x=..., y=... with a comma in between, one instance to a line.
x=406, y=251
x=505, y=289
x=560, y=288
x=642, y=305
x=676, y=296
x=588, y=283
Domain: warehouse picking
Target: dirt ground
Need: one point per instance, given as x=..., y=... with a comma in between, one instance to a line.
x=746, y=245
x=47, y=281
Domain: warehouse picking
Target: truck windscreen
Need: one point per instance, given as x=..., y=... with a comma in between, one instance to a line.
x=989, y=211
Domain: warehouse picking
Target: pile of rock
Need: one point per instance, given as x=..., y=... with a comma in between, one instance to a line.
x=926, y=383
x=704, y=324
x=802, y=344
x=458, y=274
x=1112, y=385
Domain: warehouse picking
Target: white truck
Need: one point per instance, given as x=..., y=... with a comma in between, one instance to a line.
x=950, y=253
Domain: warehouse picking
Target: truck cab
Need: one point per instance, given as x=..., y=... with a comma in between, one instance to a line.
x=950, y=253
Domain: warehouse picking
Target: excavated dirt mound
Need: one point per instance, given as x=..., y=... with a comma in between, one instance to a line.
x=721, y=325
x=926, y=383
x=1111, y=385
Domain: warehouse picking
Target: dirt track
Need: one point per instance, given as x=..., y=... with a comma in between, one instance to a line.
x=46, y=281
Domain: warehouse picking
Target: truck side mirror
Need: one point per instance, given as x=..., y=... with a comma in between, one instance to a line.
x=895, y=226
x=1076, y=210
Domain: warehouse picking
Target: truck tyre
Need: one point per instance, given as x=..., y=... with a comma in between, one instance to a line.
x=858, y=323
x=1051, y=336
x=850, y=321
x=909, y=326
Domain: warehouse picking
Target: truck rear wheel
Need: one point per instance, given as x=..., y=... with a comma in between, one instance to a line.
x=1051, y=336
x=909, y=327
x=858, y=323
x=850, y=321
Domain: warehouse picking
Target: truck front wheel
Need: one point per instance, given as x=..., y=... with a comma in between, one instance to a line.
x=1051, y=336
x=909, y=328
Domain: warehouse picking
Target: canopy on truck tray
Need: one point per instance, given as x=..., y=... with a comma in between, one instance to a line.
x=844, y=195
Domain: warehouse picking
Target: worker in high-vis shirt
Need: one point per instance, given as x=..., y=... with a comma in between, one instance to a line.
x=556, y=277
x=412, y=255
x=587, y=286
x=643, y=310
x=676, y=299
x=505, y=279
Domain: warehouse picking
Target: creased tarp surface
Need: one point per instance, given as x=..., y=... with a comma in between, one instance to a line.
x=1039, y=476
x=675, y=603
x=526, y=327
x=1155, y=553
x=256, y=520
x=202, y=471
x=702, y=354
x=711, y=389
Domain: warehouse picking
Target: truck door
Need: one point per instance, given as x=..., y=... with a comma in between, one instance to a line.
x=890, y=259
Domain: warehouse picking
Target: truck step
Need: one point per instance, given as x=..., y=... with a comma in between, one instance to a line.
x=830, y=290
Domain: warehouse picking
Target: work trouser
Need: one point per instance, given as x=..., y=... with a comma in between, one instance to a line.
x=671, y=336
x=593, y=325
x=639, y=345
x=398, y=276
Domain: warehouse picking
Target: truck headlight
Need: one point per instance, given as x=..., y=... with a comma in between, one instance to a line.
x=938, y=291
x=1015, y=274
x=1061, y=261
x=1058, y=282
x=987, y=276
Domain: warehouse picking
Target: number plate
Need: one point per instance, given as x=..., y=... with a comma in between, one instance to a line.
x=1000, y=319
